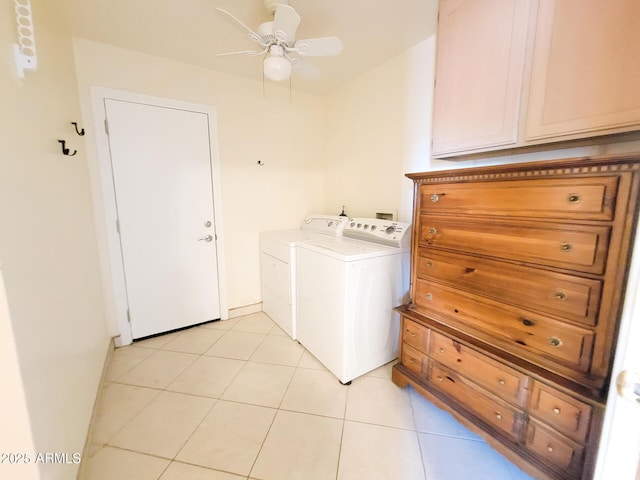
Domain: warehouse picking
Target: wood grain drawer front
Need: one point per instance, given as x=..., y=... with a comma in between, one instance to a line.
x=577, y=198
x=414, y=360
x=524, y=333
x=415, y=335
x=565, y=413
x=554, y=448
x=495, y=377
x=492, y=410
x=574, y=247
x=568, y=296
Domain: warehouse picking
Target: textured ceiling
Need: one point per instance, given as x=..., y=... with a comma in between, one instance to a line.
x=192, y=31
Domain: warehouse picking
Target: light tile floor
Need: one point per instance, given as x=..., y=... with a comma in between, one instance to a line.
x=238, y=399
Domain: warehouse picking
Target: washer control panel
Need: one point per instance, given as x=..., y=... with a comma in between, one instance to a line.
x=386, y=232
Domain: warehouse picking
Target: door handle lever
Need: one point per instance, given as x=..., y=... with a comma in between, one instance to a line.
x=628, y=384
x=208, y=238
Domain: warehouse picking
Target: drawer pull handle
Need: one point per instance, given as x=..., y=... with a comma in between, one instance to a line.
x=429, y=264
x=555, y=342
x=433, y=230
x=556, y=410
x=560, y=295
x=442, y=350
x=435, y=197
x=501, y=381
x=528, y=323
x=440, y=378
x=428, y=296
x=573, y=198
x=550, y=448
x=498, y=415
x=565, y=247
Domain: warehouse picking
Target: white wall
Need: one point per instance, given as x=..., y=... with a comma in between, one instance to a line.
x=286, y=136
x=378, y=129
x=48, y=252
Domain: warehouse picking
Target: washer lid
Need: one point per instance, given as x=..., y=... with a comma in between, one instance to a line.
x=348, y=249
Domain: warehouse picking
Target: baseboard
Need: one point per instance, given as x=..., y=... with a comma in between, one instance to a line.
x=246, y=310
x=87, y=452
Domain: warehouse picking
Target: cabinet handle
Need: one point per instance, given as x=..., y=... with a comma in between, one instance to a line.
x=556, y=410
x=565, y=247
x=501, y=381
x=573, y=198
x=555, y=342
x=550, y=448
x=560, y=295
x=435, y=197
x=440, y=378
x=498, y=415
x=442, y=350
x=429, y=297
x=528, y=323
x=429, y=264
x=433, y=230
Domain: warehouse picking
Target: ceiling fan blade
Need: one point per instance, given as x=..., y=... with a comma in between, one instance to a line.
x=243, y=52
x=285, y=23
x=306, y=69
x=318, y=47
x=250, y=33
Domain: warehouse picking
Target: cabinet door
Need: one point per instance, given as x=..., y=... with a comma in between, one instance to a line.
x=480, y=59
x=586, y=69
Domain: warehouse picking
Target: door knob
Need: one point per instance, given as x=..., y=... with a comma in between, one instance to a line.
x=208, y=238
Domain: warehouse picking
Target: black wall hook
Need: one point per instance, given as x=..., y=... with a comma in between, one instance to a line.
x=65, y=150
x=81, y=132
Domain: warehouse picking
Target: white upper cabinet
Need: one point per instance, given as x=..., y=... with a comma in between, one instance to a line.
x=480, y=61
x=513, y=73
x=586, y=69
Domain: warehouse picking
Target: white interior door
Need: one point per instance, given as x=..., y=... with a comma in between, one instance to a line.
x=162, y=175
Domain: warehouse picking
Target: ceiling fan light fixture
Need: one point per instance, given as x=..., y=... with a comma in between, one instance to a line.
x=276, y=67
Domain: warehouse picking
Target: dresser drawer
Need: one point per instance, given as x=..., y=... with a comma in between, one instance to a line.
x=563, y=412
x=526, y=334
x=495, y=377
x=415, y=335
x=490, y=409
x=571, y=297
x=554, y=448
x=414, y=360
x=577, y=198
x=574, y=247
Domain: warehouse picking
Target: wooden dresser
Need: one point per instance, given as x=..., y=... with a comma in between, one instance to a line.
x=517, y=280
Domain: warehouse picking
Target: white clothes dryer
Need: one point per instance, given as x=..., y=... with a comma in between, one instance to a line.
x=347, y=288
x=278, y=264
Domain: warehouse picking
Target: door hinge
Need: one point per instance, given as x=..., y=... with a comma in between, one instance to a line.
x=106, y=126
x=118, y=225
x=128, y=315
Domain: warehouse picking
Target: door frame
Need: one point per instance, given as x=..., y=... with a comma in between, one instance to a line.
x=109, y=248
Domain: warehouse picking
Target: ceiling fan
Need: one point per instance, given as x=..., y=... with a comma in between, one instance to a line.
x=277, y=42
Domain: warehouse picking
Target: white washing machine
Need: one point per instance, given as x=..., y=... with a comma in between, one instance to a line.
x=278, y=263
x=347, y=288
